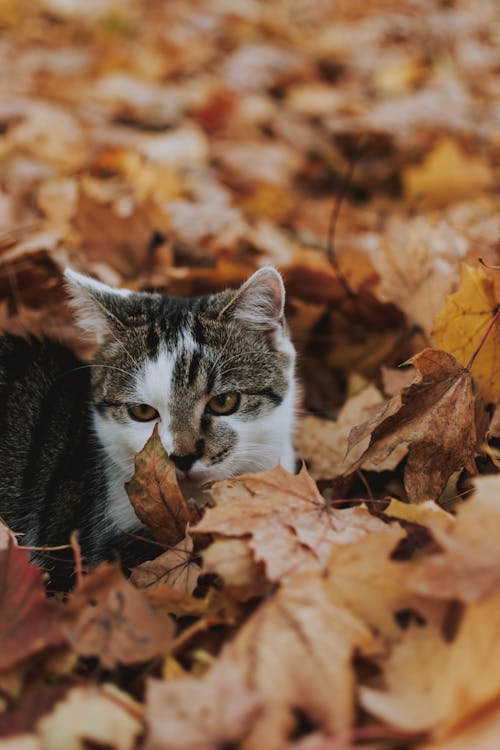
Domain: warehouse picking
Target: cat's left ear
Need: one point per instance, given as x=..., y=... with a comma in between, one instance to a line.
x=260, y=301
x=100, y=309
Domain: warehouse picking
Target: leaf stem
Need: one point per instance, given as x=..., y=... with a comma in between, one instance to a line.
x=481, y=343
x=330, y=243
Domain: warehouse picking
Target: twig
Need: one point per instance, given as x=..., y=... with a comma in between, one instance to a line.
x=78, y=557
x=330, y=243
x=365, y=484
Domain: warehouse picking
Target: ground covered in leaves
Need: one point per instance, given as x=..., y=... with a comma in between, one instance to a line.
x=180, y=145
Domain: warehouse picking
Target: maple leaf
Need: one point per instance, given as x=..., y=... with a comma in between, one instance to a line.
x=460, y=326
x=436, y=421
x=95, y=715
x=29, y=622
x=435, y=681
x=447, y=174
x=107, y=617
x=482, y=731
x=323, y=443
x=233, y=561
x=155, y=494
x=468, y=566
x=296, y=650
x=217, y=711
x=175, y=568
x=288, y=524
x=364, y=578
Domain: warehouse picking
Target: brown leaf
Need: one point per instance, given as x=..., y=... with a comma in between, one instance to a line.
x=216, y=711
x=481, y=732
x=155, y=494
x=107, y=617
x=468, y=566
x=447, y=174
x=433, y=682
x=323, y=443
x=289, y=525
x=463, y=321
x=233, y=561
x=29, y=622
x=364, y=578
x=175, y=568
x=296, y=650
x=436, y=421
x=94, y=715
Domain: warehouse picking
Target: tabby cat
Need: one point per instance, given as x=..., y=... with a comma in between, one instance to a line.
x=216, y=373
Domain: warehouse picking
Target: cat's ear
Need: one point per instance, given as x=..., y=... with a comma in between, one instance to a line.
x=260, y=301
x=99, y=308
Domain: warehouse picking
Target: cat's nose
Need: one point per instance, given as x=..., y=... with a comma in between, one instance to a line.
x=185, y=462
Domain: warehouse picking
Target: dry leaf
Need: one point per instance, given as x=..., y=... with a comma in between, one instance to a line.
x=447, y=174
x=232, y=560
x=436, y=421
x=296, y=650
x=433, y=682
x=462, y=323
x=189, y=714
x=103, y=716
x=323, y=443
x=155, y=494
x=175, y=567
x=427, y=513
x=29, y=622
x=108, y=618
x=289, y=525
x=481, y=732
x=468, y=566
x=363, y=577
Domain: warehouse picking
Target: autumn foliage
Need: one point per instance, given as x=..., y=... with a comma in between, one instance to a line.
x=179, y=146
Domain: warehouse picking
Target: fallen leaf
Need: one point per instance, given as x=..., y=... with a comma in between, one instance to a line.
x=418, y=265
x=481, y=731
x=394, y=379
x=288, y=524
x=296, y=650
x=436, y=421
x=100, y=715
x=323, y=443
x=108, y=618
x=462, y=323
x=468, y=566
x=29, y=622
x=436, y=683
x=22, y=742
x=232, y=560
x=216, y=711
x=155, y=494
x=363, y=577
x=175, y=567
x=447, y=174
x=428, y=513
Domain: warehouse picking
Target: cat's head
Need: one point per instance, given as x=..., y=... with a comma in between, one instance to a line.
x=216, y=373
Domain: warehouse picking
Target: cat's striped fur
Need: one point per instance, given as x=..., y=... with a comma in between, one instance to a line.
x=67, y=440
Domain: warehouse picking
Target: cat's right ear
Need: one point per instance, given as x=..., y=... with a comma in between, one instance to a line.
x=98, y=307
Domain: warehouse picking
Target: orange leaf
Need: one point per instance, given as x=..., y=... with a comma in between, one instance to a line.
x=463, y=321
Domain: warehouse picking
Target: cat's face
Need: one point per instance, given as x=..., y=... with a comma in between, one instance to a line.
x=215, y=373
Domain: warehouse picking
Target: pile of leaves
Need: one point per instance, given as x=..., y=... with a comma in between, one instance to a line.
x=179, y=146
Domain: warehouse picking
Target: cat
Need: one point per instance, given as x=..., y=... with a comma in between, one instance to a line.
x=216, y=373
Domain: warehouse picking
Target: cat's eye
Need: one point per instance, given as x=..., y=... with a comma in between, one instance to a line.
x=142, y=412
x=224, y=403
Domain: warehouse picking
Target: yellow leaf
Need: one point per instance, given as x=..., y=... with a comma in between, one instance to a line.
x=462, y=323
x=447, y=174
